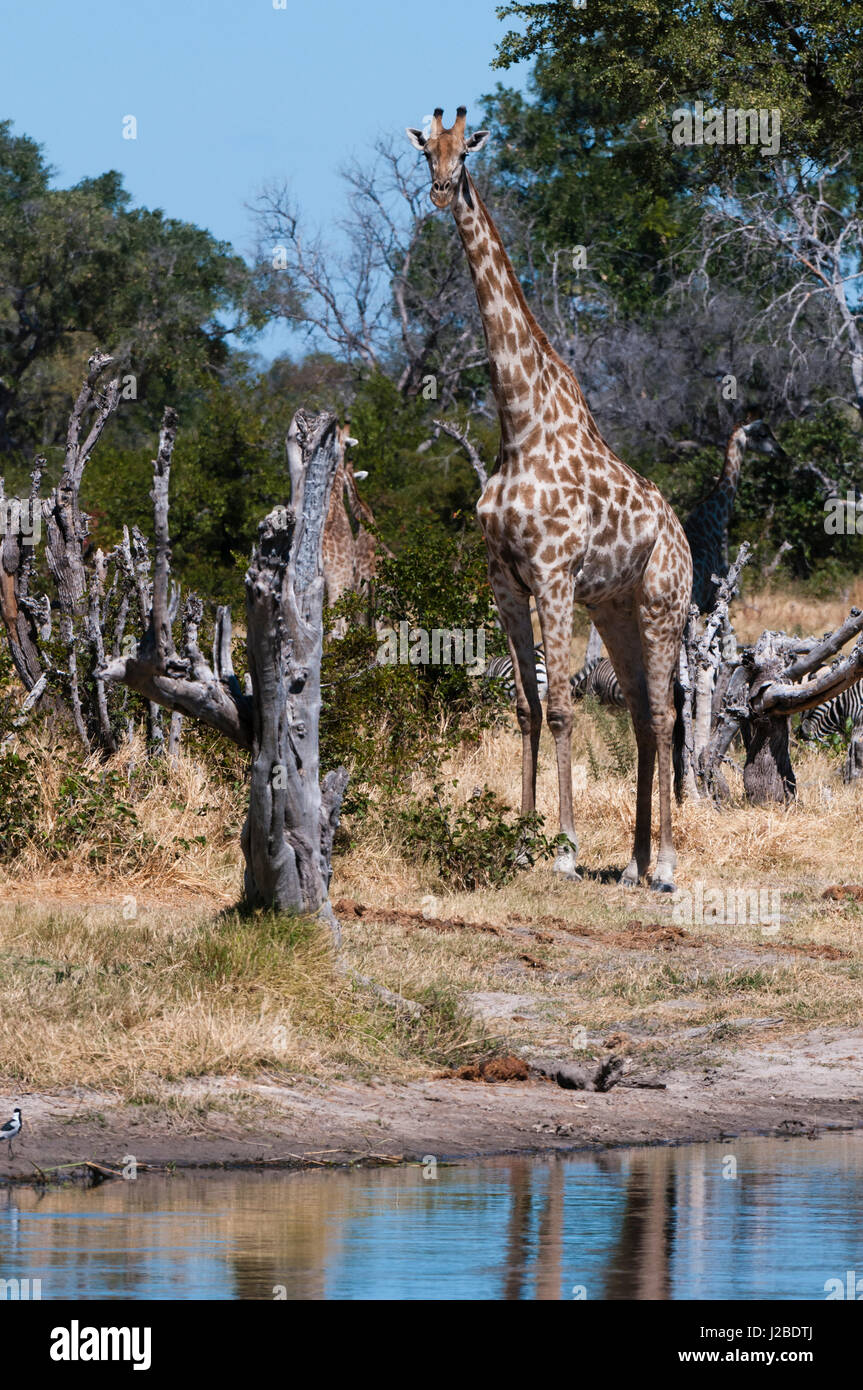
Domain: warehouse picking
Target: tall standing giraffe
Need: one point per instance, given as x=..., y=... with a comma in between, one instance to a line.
x=707, y=525
x=564, y=519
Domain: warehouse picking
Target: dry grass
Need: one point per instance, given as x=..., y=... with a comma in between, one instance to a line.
x=184, y=841
x=736, y=969
x=89, y=998
x=117, y=969
x=793, y=611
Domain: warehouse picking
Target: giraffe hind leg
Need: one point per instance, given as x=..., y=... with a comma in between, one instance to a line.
x=618, y=627
x=515, y=615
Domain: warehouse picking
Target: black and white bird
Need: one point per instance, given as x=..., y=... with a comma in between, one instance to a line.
x=11, y=1128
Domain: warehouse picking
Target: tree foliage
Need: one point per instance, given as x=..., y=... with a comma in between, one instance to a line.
x=81, y=267
x=804, y=57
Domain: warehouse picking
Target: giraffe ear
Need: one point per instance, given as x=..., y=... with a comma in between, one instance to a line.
x=476, y=141
x=416, y=138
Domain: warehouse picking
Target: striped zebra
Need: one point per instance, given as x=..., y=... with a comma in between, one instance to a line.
x=833, y=717
x=500, y=670
x=597, y=679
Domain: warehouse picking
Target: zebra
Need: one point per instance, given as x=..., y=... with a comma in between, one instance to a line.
x=597, y=679
x=835, y=717
x=500, y=670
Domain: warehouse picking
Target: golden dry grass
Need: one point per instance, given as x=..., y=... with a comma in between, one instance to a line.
x=116, y=969
x=89, y=998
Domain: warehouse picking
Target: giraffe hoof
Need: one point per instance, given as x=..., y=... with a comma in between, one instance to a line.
x=566, y=866
x=663, y=885
x=630, y=876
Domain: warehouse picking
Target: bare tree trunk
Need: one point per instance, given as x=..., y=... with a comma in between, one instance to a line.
x=854, y=761
x=768, y=774
x=773, y=667
x=594, y=645
x=288, y=834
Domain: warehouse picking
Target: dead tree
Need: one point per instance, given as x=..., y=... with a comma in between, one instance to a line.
x=84, y=592
x=766, y=690
x=463, y=438
x=708, y=660
x=293, y=812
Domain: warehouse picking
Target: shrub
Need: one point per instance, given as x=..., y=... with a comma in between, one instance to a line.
x=19, y=804
x=387, y=722
x=478, y=845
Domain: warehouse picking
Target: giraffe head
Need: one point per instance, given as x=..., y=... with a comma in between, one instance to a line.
x=347, y=441
x=760, y=437
x=446, y=152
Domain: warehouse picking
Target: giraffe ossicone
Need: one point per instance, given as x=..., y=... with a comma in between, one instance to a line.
x=565, y=520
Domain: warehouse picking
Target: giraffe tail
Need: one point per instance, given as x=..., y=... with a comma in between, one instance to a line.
x=677, y=742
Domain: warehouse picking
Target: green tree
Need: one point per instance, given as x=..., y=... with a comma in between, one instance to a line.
x=804, y=57
x=584, y=171
x=80, y=267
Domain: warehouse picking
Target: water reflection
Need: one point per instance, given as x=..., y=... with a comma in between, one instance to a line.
x=747, y=1219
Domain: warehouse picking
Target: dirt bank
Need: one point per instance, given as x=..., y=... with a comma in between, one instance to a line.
x=811, y=1082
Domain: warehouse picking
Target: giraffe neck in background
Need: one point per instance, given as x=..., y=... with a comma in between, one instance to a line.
x=729, y=478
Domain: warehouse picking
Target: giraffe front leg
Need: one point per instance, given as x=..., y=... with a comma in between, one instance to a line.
x=555, y=616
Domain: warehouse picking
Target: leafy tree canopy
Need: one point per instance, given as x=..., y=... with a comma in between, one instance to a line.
x=80, y=267
x=804, y=57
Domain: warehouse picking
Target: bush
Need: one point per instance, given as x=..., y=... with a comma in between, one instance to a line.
x=479, y=845
x=92, y=809
x=387, y=721
x=19, y=804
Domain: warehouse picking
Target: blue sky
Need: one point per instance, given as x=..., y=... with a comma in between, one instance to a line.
x=229, y=94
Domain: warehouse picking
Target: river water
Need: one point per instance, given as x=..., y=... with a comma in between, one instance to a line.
x=749, y=1218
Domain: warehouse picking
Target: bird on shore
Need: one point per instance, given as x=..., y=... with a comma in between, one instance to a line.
x=11, y=1128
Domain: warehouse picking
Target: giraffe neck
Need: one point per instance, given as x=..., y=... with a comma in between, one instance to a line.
x=527, y=376
x=729, y=478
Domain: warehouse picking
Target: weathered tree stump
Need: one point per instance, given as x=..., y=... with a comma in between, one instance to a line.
x=766, y=689
x=288, y=834
x=854, y=762
x=767, y=773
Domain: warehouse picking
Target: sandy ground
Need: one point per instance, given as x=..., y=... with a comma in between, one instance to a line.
x=811, y=1082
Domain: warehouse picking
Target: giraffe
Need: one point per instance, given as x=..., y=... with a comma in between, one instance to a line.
x=349, y=559
x=338, y=550
x=564, y=519
x=707, y=525
x=366, y=543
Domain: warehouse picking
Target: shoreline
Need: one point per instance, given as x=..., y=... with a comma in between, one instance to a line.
x=787, y=1087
